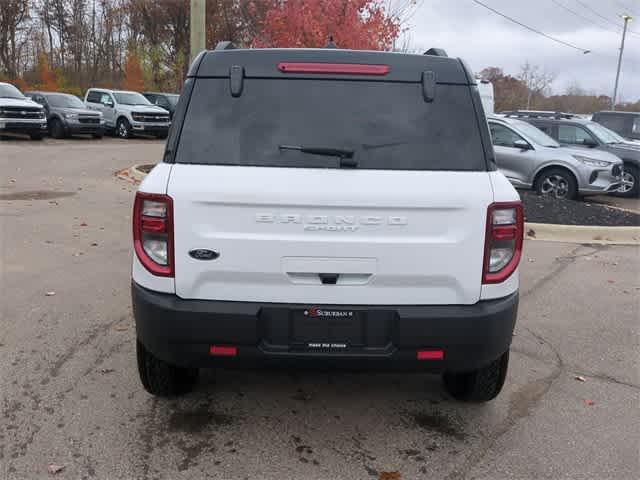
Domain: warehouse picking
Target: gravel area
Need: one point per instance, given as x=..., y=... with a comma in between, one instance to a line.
x=539, y=209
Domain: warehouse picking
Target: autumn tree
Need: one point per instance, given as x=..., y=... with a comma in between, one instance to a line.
x=354, y=24
x=133, y=77
x=46, y=78
x=536, y=80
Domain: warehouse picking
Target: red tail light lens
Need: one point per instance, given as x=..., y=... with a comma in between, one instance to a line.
x=337, y=68
x=153, y=233
x=503, y=241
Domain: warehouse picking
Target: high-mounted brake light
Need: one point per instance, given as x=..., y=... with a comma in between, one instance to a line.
x=503, y=241
x=337, y=68
x=153, y=233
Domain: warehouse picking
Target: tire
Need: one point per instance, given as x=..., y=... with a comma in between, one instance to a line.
x=36, y=136
x=557, y=182
x=97, y=136
x=479, y=385
x=162, y=379
x=631, y=188
x=123, y=128
x=57, y=129
x=161, y=136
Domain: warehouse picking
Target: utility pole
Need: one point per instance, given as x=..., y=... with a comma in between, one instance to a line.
x=197, y=23
x=626, y=19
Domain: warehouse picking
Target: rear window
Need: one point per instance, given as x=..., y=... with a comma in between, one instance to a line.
x=387, y=125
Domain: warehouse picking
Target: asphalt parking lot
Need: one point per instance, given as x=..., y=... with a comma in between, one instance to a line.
x=71, y=396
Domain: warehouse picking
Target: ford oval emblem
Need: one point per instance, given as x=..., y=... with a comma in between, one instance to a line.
x=203, y=254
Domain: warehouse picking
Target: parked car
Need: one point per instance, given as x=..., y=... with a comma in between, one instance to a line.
x=626, y=124
x=18, y=114
x=128, y=113
x=168, y=101
x=327, y=206
x=571, y=130
x=529, y=158
x=67, y=115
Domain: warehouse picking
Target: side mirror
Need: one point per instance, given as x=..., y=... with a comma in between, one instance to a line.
x=589, y=142
x=522, y=145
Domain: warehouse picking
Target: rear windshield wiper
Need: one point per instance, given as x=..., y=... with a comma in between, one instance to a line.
x=346, y=156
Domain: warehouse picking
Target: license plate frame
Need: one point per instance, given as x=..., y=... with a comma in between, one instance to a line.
x=327, y=329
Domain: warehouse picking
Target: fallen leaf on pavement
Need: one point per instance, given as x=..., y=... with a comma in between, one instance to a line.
x=531, y=260
x=389, y=476
x=611, y=281
x=53, y=202
x=106, y=370
x=94, y=244
x=589, y=402
x=121, y=328
x=50, y=293
x=84, y=224
x=531, y=233
x=13, y=180
x=52, y=468
x=580, y=378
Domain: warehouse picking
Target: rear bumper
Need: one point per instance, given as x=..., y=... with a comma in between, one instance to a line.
x=182, y=331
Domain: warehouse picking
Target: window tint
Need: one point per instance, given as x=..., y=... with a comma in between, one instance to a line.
x=614, y=122
x=387, y=125
x=574, y=135
x=503, y=136
x=94, y=97
x=161, y=101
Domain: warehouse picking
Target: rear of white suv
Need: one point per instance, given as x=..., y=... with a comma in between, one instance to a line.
x=327, y=207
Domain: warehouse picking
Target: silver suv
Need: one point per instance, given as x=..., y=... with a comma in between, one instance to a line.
x=529, y=158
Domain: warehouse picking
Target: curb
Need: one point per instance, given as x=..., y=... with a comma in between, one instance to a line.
x=582, y=234
x=535, y=231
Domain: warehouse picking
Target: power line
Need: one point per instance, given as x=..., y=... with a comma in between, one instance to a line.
x=626, y=7
x=583, y=50
x=585, y=18
x=603, y=17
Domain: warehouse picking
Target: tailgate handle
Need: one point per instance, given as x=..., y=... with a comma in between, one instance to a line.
x=329, y=278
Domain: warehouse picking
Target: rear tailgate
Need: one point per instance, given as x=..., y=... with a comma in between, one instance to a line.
x=393, y=237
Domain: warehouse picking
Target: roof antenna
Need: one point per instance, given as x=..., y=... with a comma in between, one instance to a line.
x=331, y=43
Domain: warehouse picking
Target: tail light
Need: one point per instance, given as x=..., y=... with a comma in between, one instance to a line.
x=503, y=241
x=153, y=232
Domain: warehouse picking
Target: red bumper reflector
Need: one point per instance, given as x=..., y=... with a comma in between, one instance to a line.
x=341, y=68
x=430, y=354
x=223, y=351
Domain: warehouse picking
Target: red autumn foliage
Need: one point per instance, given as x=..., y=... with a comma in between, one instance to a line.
x=46, y=78
x=354, y=24
x=133, y=77
x=20, y=83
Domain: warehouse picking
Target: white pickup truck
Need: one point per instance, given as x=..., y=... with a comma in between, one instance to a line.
x=18, y=114
x=327, y=207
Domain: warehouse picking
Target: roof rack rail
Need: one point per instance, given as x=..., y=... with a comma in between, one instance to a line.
x=436, y=52
x=226, y=45
x=538, y=114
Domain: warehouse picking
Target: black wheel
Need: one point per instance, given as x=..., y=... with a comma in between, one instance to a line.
x=123, y=128
x=36, y=136
x=57, y=129
x=161, y=378
x=629, y=187
x=557, y=182
x=479, y=385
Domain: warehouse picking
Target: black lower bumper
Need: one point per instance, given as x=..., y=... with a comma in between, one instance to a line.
x=384, y=338
x=84, y=129
x=151, y=130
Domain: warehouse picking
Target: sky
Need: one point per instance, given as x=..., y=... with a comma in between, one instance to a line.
x=484, y=39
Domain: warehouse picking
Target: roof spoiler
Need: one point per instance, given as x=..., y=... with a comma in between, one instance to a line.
x=436, y=52
x=226, y=45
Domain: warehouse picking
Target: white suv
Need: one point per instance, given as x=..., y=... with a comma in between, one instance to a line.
x=128, y=113
x=327, y=207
